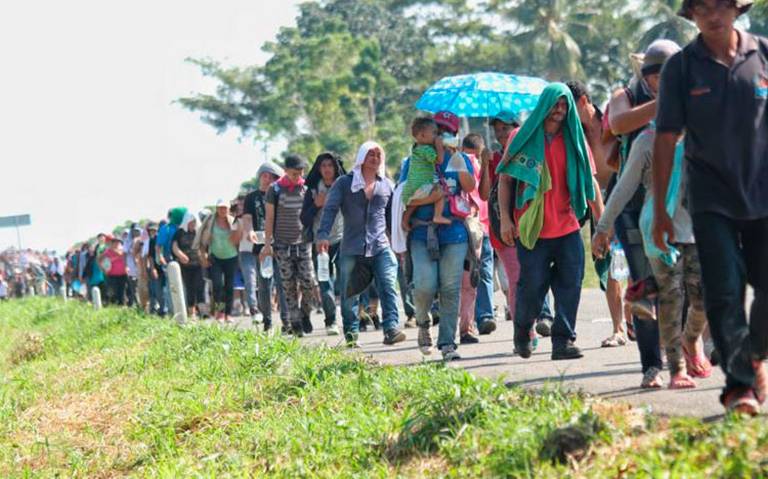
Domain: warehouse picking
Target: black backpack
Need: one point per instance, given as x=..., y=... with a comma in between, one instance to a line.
x=494, y=211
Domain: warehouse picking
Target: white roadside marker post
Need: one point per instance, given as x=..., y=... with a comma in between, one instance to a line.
x=96, y=297
x=176, y=286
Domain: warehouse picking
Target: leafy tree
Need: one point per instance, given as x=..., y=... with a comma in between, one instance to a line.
x=758, y=18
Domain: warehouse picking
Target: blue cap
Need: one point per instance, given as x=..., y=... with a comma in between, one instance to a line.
x=508, y=117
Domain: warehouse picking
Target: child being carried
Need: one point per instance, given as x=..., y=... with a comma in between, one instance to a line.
x=422, y=185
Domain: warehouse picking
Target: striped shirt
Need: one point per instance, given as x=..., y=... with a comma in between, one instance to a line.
x=288, y=228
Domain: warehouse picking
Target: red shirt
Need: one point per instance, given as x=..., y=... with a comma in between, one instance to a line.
x=117, y=261
x=559, y=218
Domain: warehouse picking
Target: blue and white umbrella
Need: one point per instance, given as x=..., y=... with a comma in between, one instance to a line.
x=483, y=94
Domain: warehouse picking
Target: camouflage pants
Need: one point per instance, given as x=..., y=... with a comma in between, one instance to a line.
x=298, y=276
x=674, y=283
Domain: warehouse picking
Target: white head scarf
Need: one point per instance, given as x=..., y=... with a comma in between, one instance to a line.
x=358, y=183
x=144, y=242
x=188, y=218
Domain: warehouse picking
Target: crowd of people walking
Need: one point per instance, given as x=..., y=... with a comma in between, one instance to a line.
x=671, y=178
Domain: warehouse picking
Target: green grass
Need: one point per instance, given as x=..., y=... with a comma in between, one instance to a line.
x=116, y=393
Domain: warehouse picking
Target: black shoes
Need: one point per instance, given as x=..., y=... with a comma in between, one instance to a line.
x=544, y=327
x=306, y=324
x=393, y=336
x=523, y=343
x=567, y=351
x=469, y=339
x=487, y=327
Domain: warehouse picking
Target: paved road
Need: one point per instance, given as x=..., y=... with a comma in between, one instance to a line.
x=612, y=373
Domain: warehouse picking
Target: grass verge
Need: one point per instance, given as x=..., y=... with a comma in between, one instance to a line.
x=115, y=393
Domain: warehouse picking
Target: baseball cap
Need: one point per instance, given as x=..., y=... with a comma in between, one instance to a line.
x=507, y=117
x=447, y=120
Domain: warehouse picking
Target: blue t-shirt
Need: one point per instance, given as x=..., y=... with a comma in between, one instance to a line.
x=165, y=238
x=454, y=233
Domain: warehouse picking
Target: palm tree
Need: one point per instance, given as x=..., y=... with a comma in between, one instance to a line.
x=549, y=29
x=666, y=24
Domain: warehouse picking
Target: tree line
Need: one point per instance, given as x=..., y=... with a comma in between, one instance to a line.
x=349, y=70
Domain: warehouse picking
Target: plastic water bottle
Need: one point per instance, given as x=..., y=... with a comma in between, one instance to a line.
x=266, y=267
x=619, y=267
x=323, y=267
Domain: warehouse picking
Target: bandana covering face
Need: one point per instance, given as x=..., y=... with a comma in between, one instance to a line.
x=287, y=183
x=524, y=159
x=358, y=183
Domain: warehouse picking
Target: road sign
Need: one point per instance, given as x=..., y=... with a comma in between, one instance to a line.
x=15, y=221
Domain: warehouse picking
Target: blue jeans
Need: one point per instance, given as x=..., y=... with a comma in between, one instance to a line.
x=733, y=253
x=484, y=302
x=441, y=276
x=327, y=288
x=546, y=309
x=156, y=297
x=385, y=277
x=557, y=263
x=248, y=262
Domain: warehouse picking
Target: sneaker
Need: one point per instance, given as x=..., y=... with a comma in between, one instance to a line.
x=332, y=329
x=351, y=340
x=393, y=336
x=544, y=327
x=306, y=324
x=568, y=351
x=410, y=322
x=469, y=339
x=741, y=401
x=424, y=340
x=449, y=353
x=487, y=327
x=523, y=343
x=255, y=317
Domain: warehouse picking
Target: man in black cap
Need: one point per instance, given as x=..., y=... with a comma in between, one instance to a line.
x=716, y=90
x=292, y=250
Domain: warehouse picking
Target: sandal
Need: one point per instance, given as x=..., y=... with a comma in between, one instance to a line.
x=651, y=379
x=613, y=341
x=681, y=380
x=698, y=366
x=741, y=401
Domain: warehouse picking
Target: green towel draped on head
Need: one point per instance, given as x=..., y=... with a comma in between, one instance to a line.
x=524, y=161
x=177, y=215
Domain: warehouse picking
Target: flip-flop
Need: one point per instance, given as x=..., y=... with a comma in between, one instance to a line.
x=698, y=366
x=681, y=382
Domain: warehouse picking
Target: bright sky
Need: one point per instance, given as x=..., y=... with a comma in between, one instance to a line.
x=89, y=136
